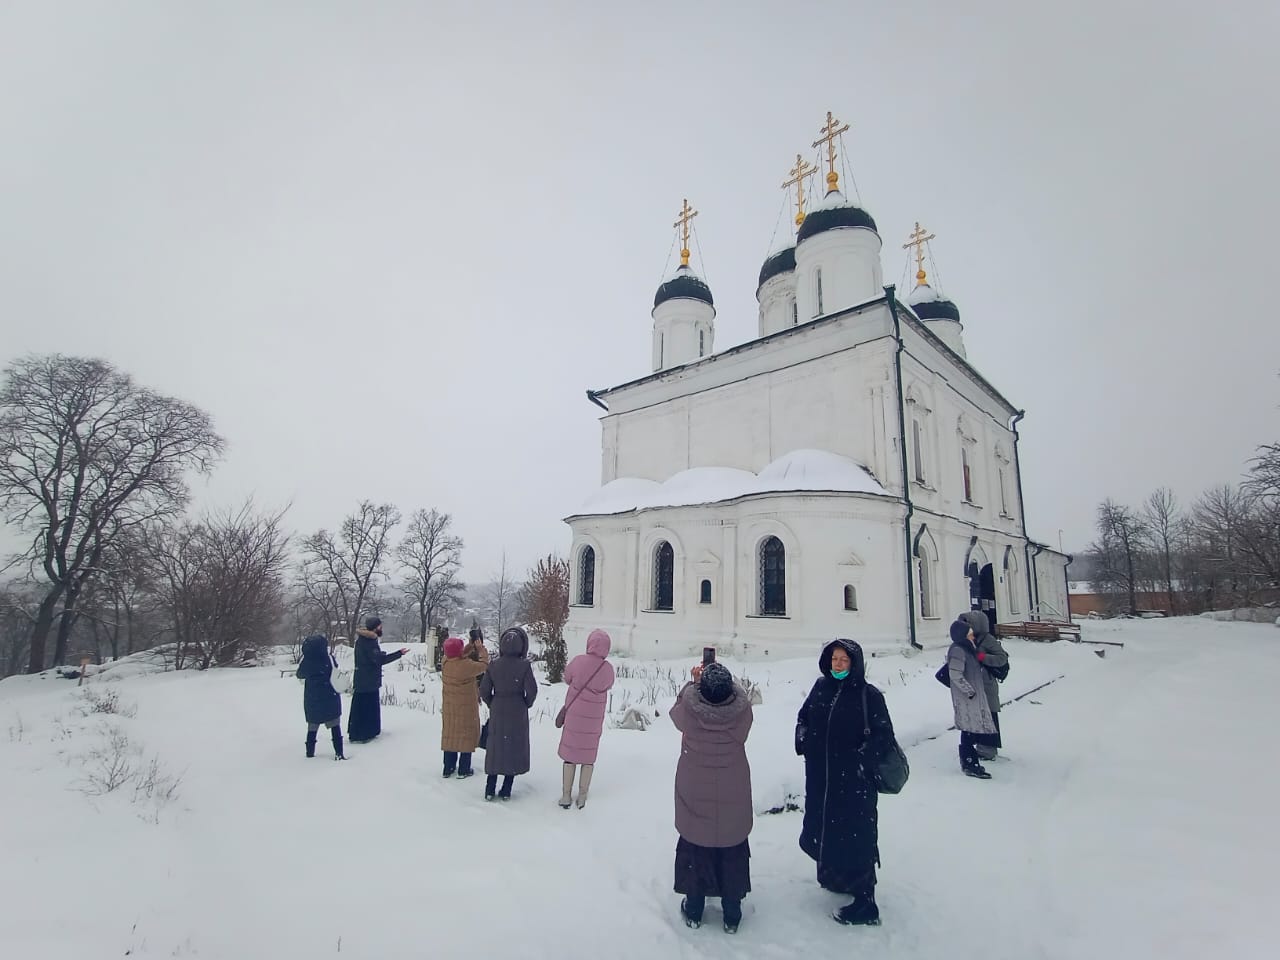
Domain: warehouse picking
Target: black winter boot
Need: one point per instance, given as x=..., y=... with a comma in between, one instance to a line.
x=692, y=912
x=975, y=770
x=490, y=786
x=861, y=911
x=311, y=743
x=337, y=744
x=505, y=793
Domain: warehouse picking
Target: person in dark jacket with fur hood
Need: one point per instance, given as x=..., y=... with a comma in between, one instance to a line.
x=320, y=702
x=365, y=720
x=840, y=813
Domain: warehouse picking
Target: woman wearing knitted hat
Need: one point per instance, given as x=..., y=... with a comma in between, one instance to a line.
x=713, y=795
x=459, y=706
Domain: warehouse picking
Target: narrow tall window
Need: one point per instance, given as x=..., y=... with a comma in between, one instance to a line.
x=1011, y=579
x=917, y=451
x=664, y=570
x=704, y=591
x=1004, y=505
x=968, y=476
x=795, y=313
x=587, y=577
x=850, y=597
x=817, y=290
x=702, y=344
x=926, y=582
x=661, y=358
x=773, y=578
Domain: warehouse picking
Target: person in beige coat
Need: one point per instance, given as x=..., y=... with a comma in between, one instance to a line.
x=459, y=707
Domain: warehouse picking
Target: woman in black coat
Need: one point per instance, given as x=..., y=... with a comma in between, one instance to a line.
x=320, y=702
x=365, y=720
x=840, y=830
x=509, y=688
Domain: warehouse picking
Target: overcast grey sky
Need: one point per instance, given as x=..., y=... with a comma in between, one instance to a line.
x=388, y=245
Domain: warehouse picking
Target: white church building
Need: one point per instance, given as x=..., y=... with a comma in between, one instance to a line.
x=848, y=473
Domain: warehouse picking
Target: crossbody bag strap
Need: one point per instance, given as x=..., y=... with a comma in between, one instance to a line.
x=589, y=679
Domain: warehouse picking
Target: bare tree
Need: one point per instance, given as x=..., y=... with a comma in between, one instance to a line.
x=87, y=454
x=1163, y=520
x=341, y=573
x=1219, y=518
x=1122, y=536
x=498, y=601
x=546, y=601
x=221, y=582
x=432, y=557
x=19, y=601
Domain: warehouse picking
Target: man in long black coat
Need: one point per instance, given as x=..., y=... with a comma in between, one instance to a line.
x=840, y=817
x=364, y=722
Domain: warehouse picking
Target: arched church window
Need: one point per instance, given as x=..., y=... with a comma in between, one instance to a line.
x=587, y=577
x=1011, y=579
x=704, y=591
x=817, y=291
x=773, y=578
x=924, y=570
x=850, y=597
x=664, y=572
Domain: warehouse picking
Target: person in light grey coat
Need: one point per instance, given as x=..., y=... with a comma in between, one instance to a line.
x=969, y=699
x=991, y=654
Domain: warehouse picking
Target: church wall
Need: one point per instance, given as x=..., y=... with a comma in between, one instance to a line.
x=812, y=389
x=831, y=542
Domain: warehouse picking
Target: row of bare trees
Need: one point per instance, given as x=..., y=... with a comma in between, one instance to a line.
x=1221, y=551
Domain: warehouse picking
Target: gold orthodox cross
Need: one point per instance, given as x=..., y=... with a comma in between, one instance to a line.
x=801, y=172
x=918, y=240
x=830, y=131
x=682, y=221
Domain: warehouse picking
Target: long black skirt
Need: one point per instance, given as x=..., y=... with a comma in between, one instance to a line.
x=713, y=871
x=365, y=720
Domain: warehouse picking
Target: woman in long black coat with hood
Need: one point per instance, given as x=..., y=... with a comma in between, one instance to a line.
x=320, y=702
x=840, y=816
x=364, y=722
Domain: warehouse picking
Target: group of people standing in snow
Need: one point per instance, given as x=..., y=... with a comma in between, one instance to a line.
x=843, y=732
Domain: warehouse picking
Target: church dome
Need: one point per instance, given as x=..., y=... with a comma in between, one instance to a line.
x=928, y=305
x=685, y=285
x=783, y=261
x=834, y=213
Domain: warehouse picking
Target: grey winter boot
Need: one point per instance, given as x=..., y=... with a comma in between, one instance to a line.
x=567, y=772
x=584, y=784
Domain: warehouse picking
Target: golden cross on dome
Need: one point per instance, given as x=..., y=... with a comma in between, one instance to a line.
x=830, y=131
x=918, y=240
x=682, y=221
x=801, y=172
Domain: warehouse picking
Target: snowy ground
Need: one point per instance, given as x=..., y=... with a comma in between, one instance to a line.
x=1134, y=818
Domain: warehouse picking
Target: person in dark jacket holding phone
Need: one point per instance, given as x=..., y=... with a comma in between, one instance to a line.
x=365, y=720
x=840, y=812
x=714, y=813
x=321, y=704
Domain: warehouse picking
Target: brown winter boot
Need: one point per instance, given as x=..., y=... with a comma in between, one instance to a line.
x=584, y=784
x=566, y=793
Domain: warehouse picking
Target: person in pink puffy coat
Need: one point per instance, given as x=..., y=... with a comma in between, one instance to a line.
x=589, y=678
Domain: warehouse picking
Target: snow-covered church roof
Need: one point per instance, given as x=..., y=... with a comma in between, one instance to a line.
x=796, y=472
